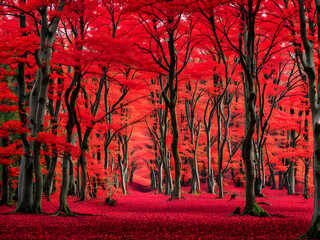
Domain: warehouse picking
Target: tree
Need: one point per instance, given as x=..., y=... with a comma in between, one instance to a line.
x=308, y=62
x=170, y=47
x=247, y=63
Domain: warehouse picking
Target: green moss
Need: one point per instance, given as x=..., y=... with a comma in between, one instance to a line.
x=256, y=211
x=25, y=209
x=64, y=211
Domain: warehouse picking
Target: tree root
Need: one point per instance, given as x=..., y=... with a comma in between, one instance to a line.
x=174, y=198
x=25, y=209
x=64, y=211
x=37, y=209
x=313, y=232
x=256, y=211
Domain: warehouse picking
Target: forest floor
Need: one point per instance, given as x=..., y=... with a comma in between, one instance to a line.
x=143, y=214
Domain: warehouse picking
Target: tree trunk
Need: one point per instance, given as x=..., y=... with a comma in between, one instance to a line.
x=83, y=189
x=22, y=163
x=258, y=180
x=25, y=204
x=48, y=181
x=63, y=207
x=247, y=62
x=153, y=179
x=5, y=185
x=258, y=187
x=211, y=182
x=281, y=180
x=168, y=176
x=273, y=179
x=210, y=178
x=251, y=207
x=175, y=152
x=308, y=62
x=220, y=184
x=193, y=189
x=263, y=176
x=291, y=179
x=306, y=179
x=78, y=178
x=160, y=177
x=122, y=175
x=72, y=184
x=131, y=175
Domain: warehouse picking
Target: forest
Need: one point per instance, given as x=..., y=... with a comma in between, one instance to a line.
x=160, y=119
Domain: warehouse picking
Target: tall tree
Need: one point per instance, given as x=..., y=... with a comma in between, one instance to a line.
x=170, y=47
x=308, y=62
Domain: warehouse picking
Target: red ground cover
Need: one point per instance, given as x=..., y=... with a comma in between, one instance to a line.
x=142, y=214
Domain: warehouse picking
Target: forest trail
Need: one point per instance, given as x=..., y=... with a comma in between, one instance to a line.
x=138, y=187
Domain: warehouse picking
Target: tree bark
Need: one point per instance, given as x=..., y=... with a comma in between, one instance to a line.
x=5, y=198
x=306, y=179
x=175, y=152
x=307, y=60
x=273, y=179
x=291, y=179
x=281, y=180
x=48, y=181
x=160, y=177
x=251, y=207
x=25, y=185
x=83, y=188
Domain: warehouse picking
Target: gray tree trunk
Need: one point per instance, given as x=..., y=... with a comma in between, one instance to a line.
x=308, y=63
x=281, y=180
x=291, y=179
x=247, y=62
x=220, y=184
x=153, y=179
x=273, y=179
x=5, y=198
x=72, y=184
x=160, y=177
x=83, y=188
x=306, y=179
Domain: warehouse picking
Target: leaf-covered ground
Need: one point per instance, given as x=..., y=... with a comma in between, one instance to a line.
x=142, y=214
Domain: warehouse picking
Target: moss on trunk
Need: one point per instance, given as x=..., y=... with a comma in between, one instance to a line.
x=255, y=210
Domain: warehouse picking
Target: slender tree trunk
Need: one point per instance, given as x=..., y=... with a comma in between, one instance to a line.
x=5, y=185
x=48, y=181
x=291, y=179
x=131, y=175
x=281, y=180
x=210, y=179
x=175, y=152
x=25, y=185
x=306, y=179
x=160, y=177
x=72, y=183
x=220, y=184
x=273, y=179
x=25, y=204
x=168, y=176
x=153, y=179
x=63, y=207
x=308, y=62
x=83, y=189
x=22, y=163
x=263, y=176
x=193, y=189
x=21, y=90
